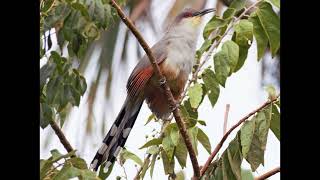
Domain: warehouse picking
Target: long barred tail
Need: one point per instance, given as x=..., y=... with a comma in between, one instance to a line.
x=117, y=135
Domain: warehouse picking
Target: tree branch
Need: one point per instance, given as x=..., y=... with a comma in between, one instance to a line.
x=268, y=174
x=176, y=111
x=218, y=147
x=61, y=136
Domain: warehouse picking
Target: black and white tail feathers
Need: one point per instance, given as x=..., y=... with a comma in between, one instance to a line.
x=117, y=135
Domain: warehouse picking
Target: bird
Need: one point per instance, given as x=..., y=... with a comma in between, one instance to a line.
x=174, y=53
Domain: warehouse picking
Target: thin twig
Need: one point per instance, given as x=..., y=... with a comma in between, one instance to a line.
x=218, y=147
x=61, y=137
x=226, y=119
x=268, y=174
x=172, y=103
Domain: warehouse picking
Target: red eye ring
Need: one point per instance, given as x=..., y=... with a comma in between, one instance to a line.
x=187, y=14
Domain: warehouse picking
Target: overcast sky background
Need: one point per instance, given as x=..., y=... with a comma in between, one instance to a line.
x=243, y=92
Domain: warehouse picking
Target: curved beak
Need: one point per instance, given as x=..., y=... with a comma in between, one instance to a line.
x=203, y=12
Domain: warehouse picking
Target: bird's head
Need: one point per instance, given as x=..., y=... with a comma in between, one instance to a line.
x=191, y=17
x=188, y=22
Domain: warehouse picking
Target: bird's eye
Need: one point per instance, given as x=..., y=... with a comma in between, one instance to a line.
x=187, y=14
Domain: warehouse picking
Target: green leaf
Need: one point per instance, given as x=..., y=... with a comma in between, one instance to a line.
x=67, y=172
x=275, y=122
x=221, y=67
x=152, y=142
x=145, y=168
x=204, y=140
x=129, y=155
x=46, y=115
x=168, y=146
x=255, y=156
x=167, y=165
x=214, y=23
x=226, y=168
x=189, y=114
x=104, y=175
x=195, y=95
x=56, y=15
x=229, y=13
x=174, y=134
x=204, y=47
x=45, y=166
x=275, y=3
x=153, y=162
x=232, y=50
x=88, y=175
x=80, y=7
x=153, y=150
x=152, y=116
x=246, y=174
x=46, y=5
x=180, y=176
x=259, y=34
x=56, y=155
x=45, y=73
x=181, y=153
x=203, y=123
x=271, y=92
x=270, y=22
x=246, y=135
x=212, y=85
x=193, y=133
x=78, y=163
x=235, y=157
x=243, y=36
x=238, y=4
x=99, y=13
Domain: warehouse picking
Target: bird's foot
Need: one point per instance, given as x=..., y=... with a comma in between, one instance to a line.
x=162, y=81
x=175, y=106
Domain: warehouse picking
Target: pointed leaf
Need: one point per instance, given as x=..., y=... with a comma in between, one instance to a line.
x=152, y=142
x=214, y=23
x=260, y=35
x=238, y=4
x=204, y=140
x=153, y=162
x=232, y=50
x=221, y=67
x=168, y=146
x=246, y=135
x=167, y=165
x=270, y=22
x=181, y=153
x=193, y=133
x=212, y=85
x=67, y=172
x=195, y=95
x=243, y=37
x=129, y=155
x=275, y=122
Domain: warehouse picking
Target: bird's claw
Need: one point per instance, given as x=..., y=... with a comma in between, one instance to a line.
x=162, y=81
x=175, y=106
